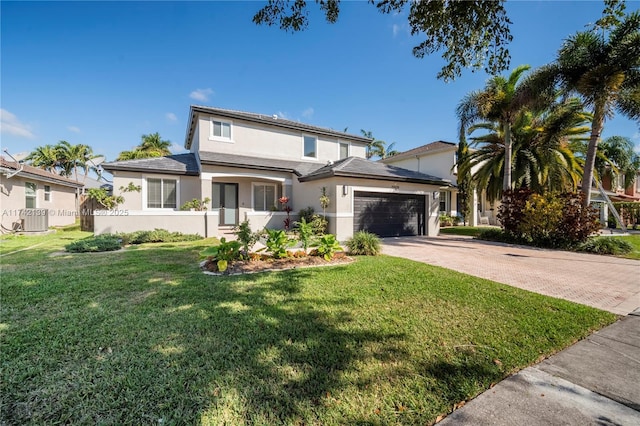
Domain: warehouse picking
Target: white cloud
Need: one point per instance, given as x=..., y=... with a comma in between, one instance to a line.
x=73, y=129
x=176, y=148
x=201, y=95
x=10, y=124
x=395, y=28
x=171, y=117
x=636, y=141
x=283, y=115
x=307, y=113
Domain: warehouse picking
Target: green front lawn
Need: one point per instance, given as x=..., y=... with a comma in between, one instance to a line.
x=140, y=336
x=634, y=240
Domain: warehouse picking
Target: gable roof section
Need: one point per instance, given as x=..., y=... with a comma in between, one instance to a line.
x=178, y=164
x=35, y=173
x=258, y=163
x=430, y=148
x=360, y=168
x=269, y=120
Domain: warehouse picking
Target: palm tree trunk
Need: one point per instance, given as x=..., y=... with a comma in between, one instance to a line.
x=506, y=182
x=590, y=160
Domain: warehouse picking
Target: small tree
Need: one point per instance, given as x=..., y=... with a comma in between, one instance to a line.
x=324, y=201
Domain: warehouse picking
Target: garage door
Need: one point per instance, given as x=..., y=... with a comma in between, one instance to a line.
x=389, y=215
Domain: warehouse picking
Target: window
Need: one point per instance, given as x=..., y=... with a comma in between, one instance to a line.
x=220, y=130
x=264, y=197
x=444, y=201
x=344, y=150
x=47, y=192
x=30, y=195
x=310, y=146
x=162, y=193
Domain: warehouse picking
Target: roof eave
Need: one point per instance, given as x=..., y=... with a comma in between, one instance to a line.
x=142, y=170
x=375, y=177
x=24, y=173
x=251, y=166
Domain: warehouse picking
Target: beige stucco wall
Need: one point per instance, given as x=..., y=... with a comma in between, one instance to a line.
x=258, y=140
x=204, y=223
x=340, y=210
x=188, y=188
x=62, y=208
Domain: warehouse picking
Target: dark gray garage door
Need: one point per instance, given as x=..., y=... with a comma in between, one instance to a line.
x=389, y=215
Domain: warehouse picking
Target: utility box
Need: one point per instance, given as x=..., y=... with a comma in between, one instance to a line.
x=34, y=220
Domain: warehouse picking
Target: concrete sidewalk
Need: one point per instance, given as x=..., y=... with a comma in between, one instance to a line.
x=594, y=382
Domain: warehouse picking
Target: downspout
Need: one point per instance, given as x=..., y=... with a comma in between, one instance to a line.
x=206, y=225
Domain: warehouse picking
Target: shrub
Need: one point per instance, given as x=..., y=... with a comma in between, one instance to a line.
x=196, y=204
x=306, y=214
x=277, y=243
x=246, y=237
x=606, y=245
x=364, y=243
x=97, y=243
x=223, y=253
x=157, y=236
x=326, y=246
x=549, y=220
x=305, y=232
x=495, y=234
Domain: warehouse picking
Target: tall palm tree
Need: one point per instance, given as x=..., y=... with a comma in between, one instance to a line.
x=542, y=156
x=44, y=157
x=152, y=145
x=501, y=100
x=605, y=72
x=376, y=147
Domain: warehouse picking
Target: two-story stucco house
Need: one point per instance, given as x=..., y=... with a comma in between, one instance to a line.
x=439, y=158
x=244, y=162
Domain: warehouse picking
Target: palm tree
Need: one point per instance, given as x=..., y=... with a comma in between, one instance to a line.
x=375, y=147
x=44, y=157
x=605, y=72
x=152, y=145
x=542, y=156
x=501, y=101
x=616, y=157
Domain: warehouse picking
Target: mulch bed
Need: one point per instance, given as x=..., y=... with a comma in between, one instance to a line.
x=264, y=264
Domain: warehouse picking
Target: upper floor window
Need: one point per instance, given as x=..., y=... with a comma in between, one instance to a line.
x=162, y=193
x=47, y=192
x=30, y=195
x=344, y=150
x=310, y=146
x=220, y=130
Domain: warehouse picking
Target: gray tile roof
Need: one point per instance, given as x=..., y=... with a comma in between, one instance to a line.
x=424, y=149
x=307, y=171
x=179, y=164
x=300, y=168
x=361, y=168
x=31, y=172
x=271, y=120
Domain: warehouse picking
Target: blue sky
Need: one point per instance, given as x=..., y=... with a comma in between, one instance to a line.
x=103, y=74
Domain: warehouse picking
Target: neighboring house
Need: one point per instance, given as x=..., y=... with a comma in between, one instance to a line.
x=439, y=158
x=617, y=191
x=34, y=199
x=245, y=162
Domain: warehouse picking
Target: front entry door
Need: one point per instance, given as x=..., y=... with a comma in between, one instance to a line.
x=225, y=199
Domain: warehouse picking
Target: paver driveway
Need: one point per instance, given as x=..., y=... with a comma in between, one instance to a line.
x=604, y=282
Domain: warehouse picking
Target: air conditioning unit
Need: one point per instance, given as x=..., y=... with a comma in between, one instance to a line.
x=35, y=220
